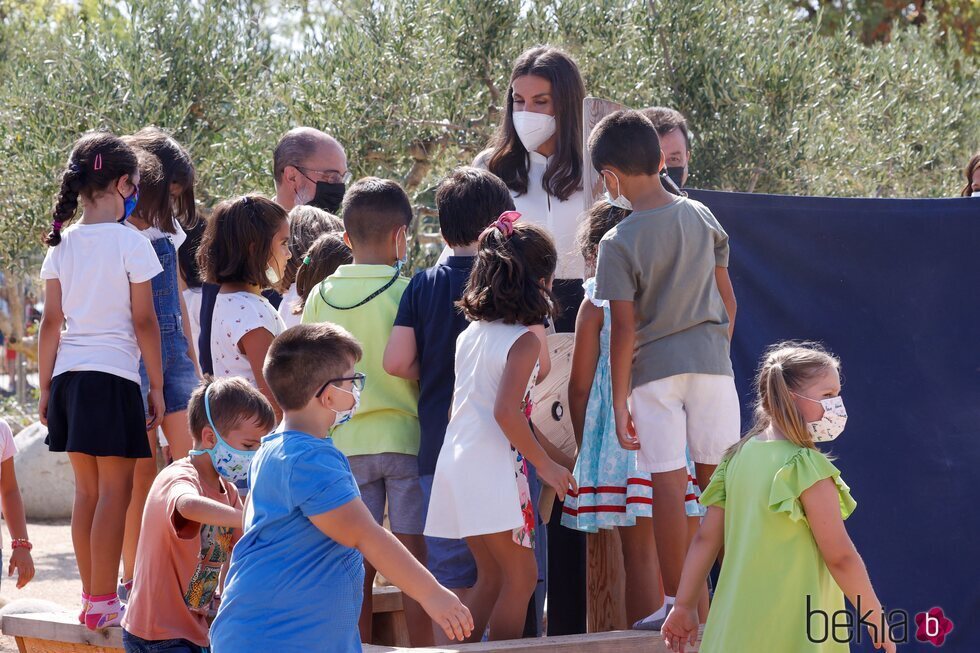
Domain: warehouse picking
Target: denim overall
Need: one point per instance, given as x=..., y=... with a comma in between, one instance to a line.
x=179, y=373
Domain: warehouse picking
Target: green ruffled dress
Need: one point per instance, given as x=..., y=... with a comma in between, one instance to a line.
x=771, y=560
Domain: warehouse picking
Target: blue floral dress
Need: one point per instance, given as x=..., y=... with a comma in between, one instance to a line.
x=612, y=491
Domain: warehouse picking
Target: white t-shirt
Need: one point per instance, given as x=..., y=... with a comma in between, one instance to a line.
x=96, y=263
x=153, y=233
x=288, y=306
x=561, y=219
x=235, y=314
x=7, y=446
x=192, y=300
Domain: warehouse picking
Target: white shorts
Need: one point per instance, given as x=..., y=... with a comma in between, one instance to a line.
x=700, y=411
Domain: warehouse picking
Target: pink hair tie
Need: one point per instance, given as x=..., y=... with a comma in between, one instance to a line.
x=56, y=225
x=98, y=162
x=504, y=224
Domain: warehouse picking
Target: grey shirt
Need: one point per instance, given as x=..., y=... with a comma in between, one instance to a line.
x=664, y=261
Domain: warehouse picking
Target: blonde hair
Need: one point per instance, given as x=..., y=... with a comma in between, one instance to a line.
x=785, y=369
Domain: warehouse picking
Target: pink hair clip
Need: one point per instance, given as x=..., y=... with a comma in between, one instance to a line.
x=98, y=162
x=504, y=223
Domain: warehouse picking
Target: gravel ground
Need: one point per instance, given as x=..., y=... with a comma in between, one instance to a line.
x=56, y=577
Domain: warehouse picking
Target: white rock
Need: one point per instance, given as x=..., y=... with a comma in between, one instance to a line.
x=46, y=481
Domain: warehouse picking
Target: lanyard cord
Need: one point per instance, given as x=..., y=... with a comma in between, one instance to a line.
x=364, y=301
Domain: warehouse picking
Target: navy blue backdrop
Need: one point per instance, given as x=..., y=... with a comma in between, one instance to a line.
x=891, y=286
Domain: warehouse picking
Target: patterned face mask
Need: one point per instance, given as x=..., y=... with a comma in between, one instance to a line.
x=228, y=461
x=828, y=427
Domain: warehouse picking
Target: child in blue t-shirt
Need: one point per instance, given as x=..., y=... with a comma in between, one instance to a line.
x=422, y=345
x=298, y=569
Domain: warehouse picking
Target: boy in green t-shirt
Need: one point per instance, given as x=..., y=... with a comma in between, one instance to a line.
x=381, y=441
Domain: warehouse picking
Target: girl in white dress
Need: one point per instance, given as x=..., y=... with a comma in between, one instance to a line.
x=476, y=493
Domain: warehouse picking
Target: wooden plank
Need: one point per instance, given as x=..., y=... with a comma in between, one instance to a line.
x=387, y=599
x=605, y=582
x=630, y=641
x=47, y=646
x=60, y=627
x=593, y=110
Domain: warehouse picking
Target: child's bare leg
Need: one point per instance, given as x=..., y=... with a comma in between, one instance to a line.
x=366, y=622
x=669, y=493
x=109, y=522
x=143, y=475
x=178, y=434
x=519, y=578
x=693, y=523
x=703, y=472
x=419, y=623
x=483, y=595
x=82, y=513
x=644, y=594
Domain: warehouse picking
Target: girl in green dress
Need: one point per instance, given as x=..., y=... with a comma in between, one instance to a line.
x=778, y=505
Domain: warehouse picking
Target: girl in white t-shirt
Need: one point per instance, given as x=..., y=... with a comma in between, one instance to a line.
x=244, y=250
x=479, y=491
x=306, y=224
x=98, y=319
x=166, y=198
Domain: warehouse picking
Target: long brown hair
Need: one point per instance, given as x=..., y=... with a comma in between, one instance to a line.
x=97, y=160
x=508, y=158
x=505, y=283
x=602, y=217
x=306, y=224
x=785, y=369
x=971, y=168
x=325, y=255
x=156, y=205
x=237, y=240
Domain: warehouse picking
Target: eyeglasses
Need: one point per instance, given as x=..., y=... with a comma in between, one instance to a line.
x=329, y=176
x=357, y=381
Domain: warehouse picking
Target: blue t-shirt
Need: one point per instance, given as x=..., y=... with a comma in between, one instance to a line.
x=290, y=588
x=429, y=308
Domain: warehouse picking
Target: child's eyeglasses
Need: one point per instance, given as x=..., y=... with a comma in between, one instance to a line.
x=357, y=381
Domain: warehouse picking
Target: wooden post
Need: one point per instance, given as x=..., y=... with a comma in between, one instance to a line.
x=606, y=581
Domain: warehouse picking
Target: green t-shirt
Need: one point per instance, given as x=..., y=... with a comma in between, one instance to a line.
x=387, y=419
x=664, y=261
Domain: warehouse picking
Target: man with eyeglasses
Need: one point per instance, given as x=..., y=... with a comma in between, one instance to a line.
x=310, y=167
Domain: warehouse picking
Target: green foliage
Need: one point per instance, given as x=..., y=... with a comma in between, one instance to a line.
x=778, y=102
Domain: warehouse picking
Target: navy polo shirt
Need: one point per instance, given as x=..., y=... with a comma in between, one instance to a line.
x=429, y=308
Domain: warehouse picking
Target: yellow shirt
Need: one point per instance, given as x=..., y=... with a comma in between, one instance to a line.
x=387, y=419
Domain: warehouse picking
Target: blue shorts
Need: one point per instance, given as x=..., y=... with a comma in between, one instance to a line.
x=179, y=374
x=450, y=561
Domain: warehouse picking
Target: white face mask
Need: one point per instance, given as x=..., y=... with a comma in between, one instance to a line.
x=533, y=128
x=344, y=416
x=619, y=202
x=828, y=427
x=272, y=275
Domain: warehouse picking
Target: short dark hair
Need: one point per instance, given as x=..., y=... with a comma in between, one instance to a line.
x=505, y=283
x=294, y=148
x=304, y=357
x=237, y=240
x=469, y=200
x=233, y=401
x=666, y=120
x=628, y=141
x=373, y=208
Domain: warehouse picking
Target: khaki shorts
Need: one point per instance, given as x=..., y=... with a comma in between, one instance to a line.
x=391, y=478
x=699, y=411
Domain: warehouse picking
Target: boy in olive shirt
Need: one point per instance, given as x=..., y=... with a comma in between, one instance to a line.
x=664, y=270
x=381, y=441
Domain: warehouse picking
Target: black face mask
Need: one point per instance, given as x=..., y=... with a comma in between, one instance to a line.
x=676, y=173
x=328, y=196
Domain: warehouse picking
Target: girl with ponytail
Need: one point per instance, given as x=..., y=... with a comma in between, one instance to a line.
x=98, y=320
x=778, y=505
x=480, y=490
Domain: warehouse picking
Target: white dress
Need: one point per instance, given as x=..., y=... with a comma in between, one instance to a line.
x=235, y=314
x=474, y=491
x=290, y=318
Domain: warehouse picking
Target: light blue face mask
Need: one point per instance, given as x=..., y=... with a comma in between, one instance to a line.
x=228, y=461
